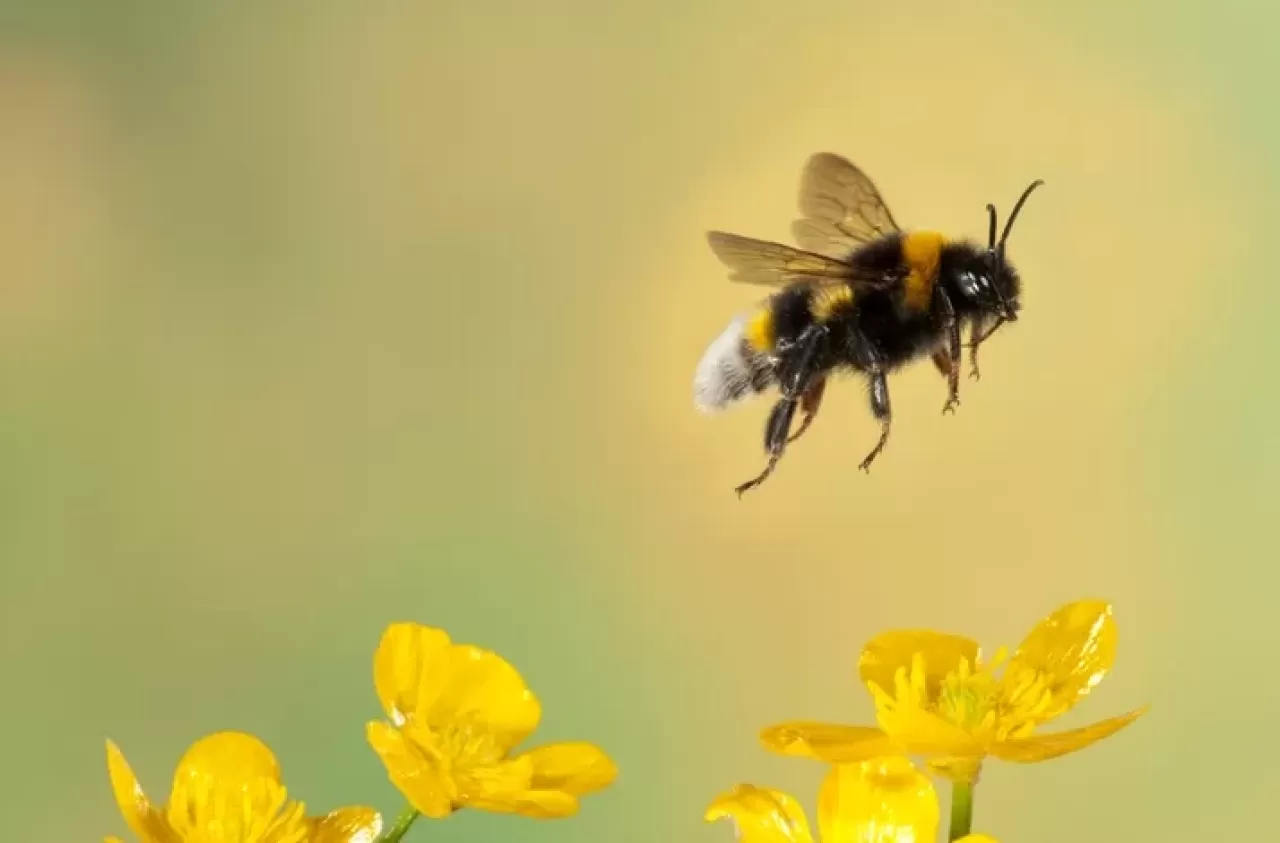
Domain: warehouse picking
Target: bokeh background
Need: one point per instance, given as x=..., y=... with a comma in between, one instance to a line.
x=318, y=315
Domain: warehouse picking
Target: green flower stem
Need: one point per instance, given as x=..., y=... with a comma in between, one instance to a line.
x=961, y=810
x=406, y=818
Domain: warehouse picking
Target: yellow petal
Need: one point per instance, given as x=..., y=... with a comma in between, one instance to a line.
x=827, y=742
x=355, y=824
x=889, y=651
x=497, y=782
x=412, y=772
x=916, y=731
x=575, y=768
x=508, y=788
x=143, y=819
x=1061, y=660
x=544, y=783
x=112, y=840
x=539, y=804
x=1044, y=747
x=230, y=781
x=761, y=815
x=233, y=759
x=885, y=800
x=410, y=669
x=484, y=689
x=418, y=672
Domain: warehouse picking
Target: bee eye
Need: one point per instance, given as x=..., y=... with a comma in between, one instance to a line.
x=969, y=283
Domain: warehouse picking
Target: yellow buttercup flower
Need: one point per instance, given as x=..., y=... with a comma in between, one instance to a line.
x=881, y=800
x=935, y=697
x=227, y=790
x=456, y=713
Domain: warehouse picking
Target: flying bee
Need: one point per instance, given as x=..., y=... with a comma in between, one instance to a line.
x=860, y=295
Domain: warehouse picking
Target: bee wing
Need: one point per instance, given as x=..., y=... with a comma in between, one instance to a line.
x=840, y=208
x=773, y=264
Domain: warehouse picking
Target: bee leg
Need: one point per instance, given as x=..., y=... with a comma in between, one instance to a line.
x=870, y=360
x=795, y=382
x=974, y=342
x=775, y=440
x=882, y=411
x=949, y=370
x=952, y=351
x=809, y=404
x=977, y=336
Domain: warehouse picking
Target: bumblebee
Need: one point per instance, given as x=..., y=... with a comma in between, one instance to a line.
x=860, y=295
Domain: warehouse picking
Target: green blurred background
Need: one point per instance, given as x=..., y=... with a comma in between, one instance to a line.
x=316, y=316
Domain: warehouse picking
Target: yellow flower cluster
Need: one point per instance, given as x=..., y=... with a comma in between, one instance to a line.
x=227, y=788
x=935, y=698
x=885, y=800
x=455, y=713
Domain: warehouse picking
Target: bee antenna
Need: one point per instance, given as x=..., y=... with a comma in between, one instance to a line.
x=1008, y=225
x=991, y=228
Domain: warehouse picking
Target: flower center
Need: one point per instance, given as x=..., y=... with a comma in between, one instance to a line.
x=206, y=811
x=1029, y=697
x=967, y=697
x=463, y=745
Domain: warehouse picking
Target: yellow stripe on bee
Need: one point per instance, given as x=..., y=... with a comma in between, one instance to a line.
x=825, y=301
x=922, y=252
x=759, y=331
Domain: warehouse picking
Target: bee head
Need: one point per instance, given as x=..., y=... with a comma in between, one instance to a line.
x=996, y=286
x=988, y=287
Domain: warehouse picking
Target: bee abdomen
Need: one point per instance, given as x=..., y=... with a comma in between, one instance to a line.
x=731, y=370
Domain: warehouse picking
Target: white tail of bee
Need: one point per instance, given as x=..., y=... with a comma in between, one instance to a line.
x=730, y=371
